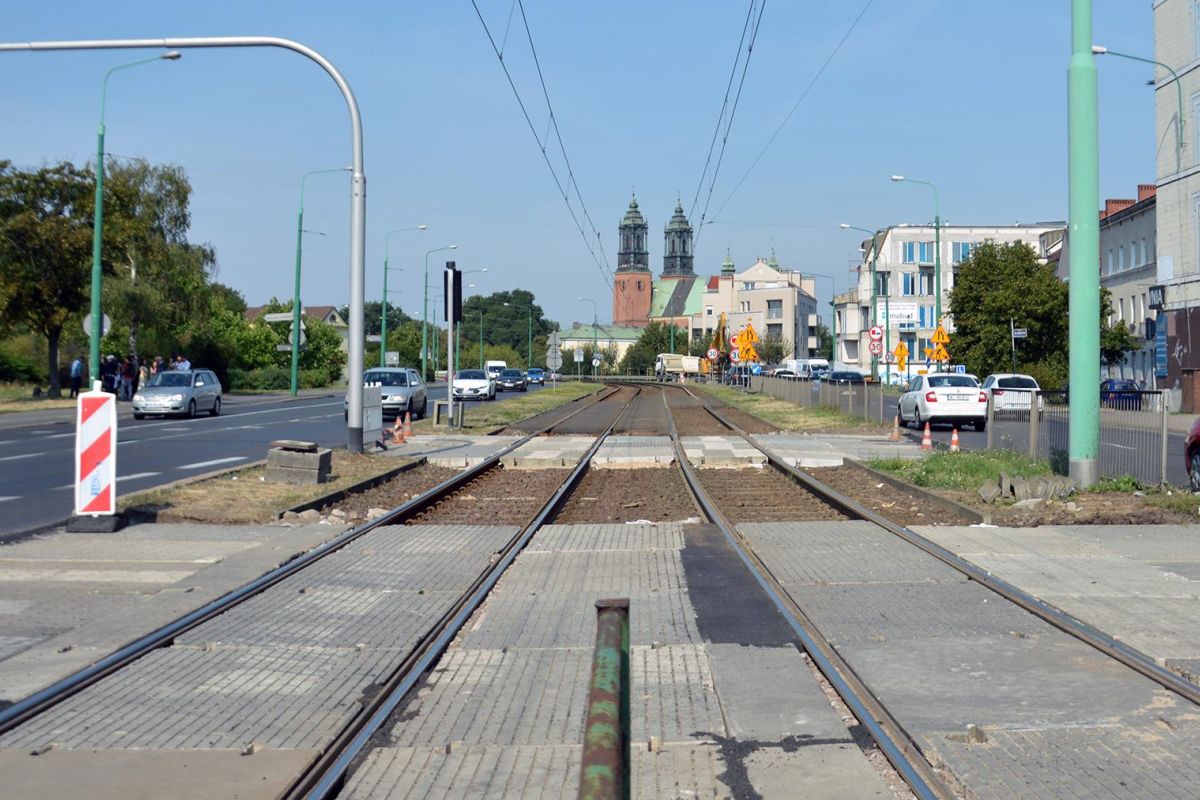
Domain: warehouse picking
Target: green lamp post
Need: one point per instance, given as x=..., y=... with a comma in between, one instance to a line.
x=937, y=248
x=98, y=221
x=387, y=240
x=425, y=311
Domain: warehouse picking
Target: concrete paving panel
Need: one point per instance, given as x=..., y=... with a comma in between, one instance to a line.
x=672, y=695
x=830, y=450
x=1161, y=627
x=634, y=451
x=485, y=771
x=598, y=537
x=678, y=771
x=972, y=540
x=721, y=451
x=545, y=452
x=610, y=573
x=1092, y=576
x=1149, y=543
x=819, y=771
x=841, y=552
x=454, y=451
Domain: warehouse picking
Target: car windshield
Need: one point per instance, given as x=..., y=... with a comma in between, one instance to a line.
x=1017, y=383
x=535, y=371
x=471, y=375
x=943, y=381
x=844, y=376
x=511, y=373
x=171, y=379
x=386, y=378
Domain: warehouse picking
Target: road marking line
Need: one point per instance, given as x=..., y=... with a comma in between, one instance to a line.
x=57, y=436
x=17, y=458
x=137, y=475
x=6, y=499
x=213, y=463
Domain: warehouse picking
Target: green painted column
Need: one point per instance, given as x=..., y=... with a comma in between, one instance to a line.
x=97, y=251
x=383, y=320
x=1083, y=165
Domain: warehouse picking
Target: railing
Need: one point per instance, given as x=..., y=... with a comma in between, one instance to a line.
x=1133, y=431
x=865, y=400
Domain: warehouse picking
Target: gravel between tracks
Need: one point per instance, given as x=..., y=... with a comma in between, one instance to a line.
x=763, y=495
x=396, y=492
x=693, y=421
x=627, y=495
x=747, y=422
x=902, y=508
x=497, y=497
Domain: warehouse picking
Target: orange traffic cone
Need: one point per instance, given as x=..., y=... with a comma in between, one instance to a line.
x=895, y=437
x=954, y=441
x=927, y=439
x=398, y=432
x=407, y=424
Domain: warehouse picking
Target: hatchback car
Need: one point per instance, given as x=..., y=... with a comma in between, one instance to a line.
x=400, y=388
x=512, y=379
x=474, y=384
x=536, y=375
x=1012, y=392
x=178, y=392
x=946, y=398
x=844, y=376
x=1121, y=394
x=738, y=376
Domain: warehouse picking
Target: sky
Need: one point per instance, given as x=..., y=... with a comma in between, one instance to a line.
x=968, y=95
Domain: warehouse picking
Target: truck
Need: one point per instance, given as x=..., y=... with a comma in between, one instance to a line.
x=494, y=368
x=804, y=367
x=670, y=366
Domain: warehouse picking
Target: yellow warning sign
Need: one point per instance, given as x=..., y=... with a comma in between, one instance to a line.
x=901, y=361
x=748, y=335
x=940, y=354
x=901, y=351
x=929, y=353
x=940, y=336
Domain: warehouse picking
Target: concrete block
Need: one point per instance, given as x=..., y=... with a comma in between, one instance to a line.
x=989, y=492
x=295, y=475
x=320, y=460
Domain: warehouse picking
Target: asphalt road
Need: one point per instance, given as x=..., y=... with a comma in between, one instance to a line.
x=37, y=460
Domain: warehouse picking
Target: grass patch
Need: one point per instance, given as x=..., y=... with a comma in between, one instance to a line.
x=1180, y=500
x=1123, y=485
x=963, y=471
x=789, y=416
x=19, y=397
x=485, y=417
x=242, y=497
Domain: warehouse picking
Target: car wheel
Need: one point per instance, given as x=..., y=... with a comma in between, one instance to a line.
x=191, y=409
x=139, y=416
x=215, y=411
x=424, y=408
x=1194, y=469
x=980, y=424
x=917, y=418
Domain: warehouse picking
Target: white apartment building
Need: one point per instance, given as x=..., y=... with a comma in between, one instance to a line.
x=1177, y=160
x=1128, y=269
x=777, y=302
x=904, y=303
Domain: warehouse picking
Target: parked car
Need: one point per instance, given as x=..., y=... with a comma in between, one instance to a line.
x=400, y=389
x=536, y=375
x=1012, y=392
x=844, y=376
x=1122, y=394
x=1191, y=452
x=738, y=375
x=943, y=398
x=820, y=373
x=554, y=375
x=474, y=383
x=178, y=392
x=512, y=379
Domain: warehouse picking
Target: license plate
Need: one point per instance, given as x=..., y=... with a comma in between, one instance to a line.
x=959, y=397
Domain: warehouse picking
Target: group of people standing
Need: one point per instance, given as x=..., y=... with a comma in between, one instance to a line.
x=122, y=378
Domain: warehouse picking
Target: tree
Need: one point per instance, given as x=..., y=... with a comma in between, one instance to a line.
x=772, y=348
x=45, y=251
x=824, y=342
x=508, y=324
x=1115, y=340
x=655, y=339
x=373, y=318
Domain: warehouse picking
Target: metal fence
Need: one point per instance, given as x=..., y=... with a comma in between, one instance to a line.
x=865, y=400
x=1133, y=431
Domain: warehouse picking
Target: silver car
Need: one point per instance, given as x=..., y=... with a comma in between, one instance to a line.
x=401, y=389
x=178, y=392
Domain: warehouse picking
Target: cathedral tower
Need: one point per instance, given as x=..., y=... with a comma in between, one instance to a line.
x=632, y=281
x=677, y=246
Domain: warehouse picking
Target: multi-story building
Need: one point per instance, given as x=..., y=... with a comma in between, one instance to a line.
x=903, y=304
x=1128, y=270
x=1177, y=167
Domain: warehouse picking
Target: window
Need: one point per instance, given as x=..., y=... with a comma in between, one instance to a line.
x=639, y=286
x=774, y=309
x=927, y=252
x=908, y=283
x=1142, y=253
x=881, y=283
x=747, y=286
x=775, y=330
x=1108, y=261
x=925, y=283
x=961, y=251
x=1120, y=309
x=910, y=252
x=1121, y=257
x=708, y=311
x=744, y=305
x=696, y=334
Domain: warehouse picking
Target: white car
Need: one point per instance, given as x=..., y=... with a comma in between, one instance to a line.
x=400, y=390
x=474, y=384
x=944, y=397
x=1012, y=392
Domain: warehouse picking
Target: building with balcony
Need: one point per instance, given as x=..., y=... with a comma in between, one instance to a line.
x=1128, y=269
x=903, y=302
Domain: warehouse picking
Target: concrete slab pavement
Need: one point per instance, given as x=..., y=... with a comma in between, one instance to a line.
x=831, y=450
x=634, y=451
x=453, y=451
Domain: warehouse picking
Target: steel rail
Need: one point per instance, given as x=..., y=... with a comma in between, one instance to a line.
x=885, y=730
x=44, y=699
x=1105, y=643
x=325, y=777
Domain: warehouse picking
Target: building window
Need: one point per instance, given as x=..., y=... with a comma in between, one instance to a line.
x=774, y=309
x=881, y=283
x=744, y=306
x=925, y=284
x=708, y=311
x=910, y=252
x=747, y=286
x=639, y=286
x=961, y=251
x=908, y=284
x=927, y=252
x=1143, y=260
x=775, y=330
x=1121, y=257
x=1120, y=309
x=1108, y=261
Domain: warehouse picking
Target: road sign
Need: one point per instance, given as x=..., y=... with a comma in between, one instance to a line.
x=373, y=338
x=889, y=358
x=940, y=354
x=552, y=341
x=901, y=361
x=928, y=353
x=96, y=453
x=279, y=316
x=876, y=333
x=901, y=351
x=734, y=355
x=735, y=338
x=940, y=336
x=105, y=325
x=1020, y=333
x=961, y=369
x=748, y=334
x=578, y=356
x=756, y=369
x=712, y=353
x=392, y=358
x=876, y=347
x=596, y=361
x=554, y=358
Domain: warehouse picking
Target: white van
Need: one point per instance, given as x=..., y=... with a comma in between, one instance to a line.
x=803, y=367
x=494, y=368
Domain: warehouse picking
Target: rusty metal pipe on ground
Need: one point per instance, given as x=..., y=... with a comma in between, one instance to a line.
x=604, y=774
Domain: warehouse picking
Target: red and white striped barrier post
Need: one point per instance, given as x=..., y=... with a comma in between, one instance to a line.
x=95, y=462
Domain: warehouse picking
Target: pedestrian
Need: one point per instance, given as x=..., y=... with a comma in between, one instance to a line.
x=126, y=392
x=108, y=374
x=142, y=375
x=137, y=375
x=158, y=366
x=182, y=363
x=76, y=375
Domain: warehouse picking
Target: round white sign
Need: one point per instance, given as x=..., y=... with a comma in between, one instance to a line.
x=876, y=333
x=876, y=348
x=712, y=352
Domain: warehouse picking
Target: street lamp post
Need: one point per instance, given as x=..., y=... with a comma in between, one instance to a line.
x=387, y=240
x=874, y=297
x=296, y=309
x=1179, y=142
x=425, y=311
x=98, y=218
x=595, y=323
x=529, y=340
x=937, y=248
x=481, y=338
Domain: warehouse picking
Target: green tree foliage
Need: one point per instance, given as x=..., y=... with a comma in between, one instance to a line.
x=509, y=324
x=608, y=360
x=772, y=348
x=824, y=342
x=45, y=251
x=373, y=318
x=1115, y=340
x=655, y=339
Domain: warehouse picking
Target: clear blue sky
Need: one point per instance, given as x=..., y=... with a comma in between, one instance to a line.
x=969, y=95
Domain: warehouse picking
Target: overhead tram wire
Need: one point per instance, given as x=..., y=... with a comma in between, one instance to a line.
x=803, y=95
x=729, y=125
x=605, y=271
x=712, y=145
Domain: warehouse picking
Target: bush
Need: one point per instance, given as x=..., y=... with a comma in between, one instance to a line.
x=18, y=369
x=314, y=379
